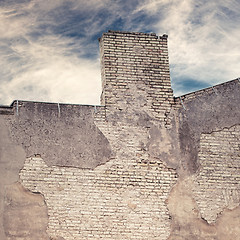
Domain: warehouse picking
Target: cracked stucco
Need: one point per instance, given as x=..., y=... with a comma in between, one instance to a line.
x=68, y=139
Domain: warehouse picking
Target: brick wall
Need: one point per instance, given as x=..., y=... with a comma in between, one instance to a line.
x=141, y=166
x=122, y=200
x=217, y=185
x=135, y=72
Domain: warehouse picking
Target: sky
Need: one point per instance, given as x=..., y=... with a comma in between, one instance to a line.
x=49, y=48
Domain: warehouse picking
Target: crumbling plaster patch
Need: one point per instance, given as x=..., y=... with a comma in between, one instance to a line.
x=158, y=140
x=217, y=183
x=23, y=215
x=207, y=192
x=163, y=142
x=31, y=129
x=12, y=158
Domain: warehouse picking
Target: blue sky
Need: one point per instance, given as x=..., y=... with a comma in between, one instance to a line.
x=49, y=48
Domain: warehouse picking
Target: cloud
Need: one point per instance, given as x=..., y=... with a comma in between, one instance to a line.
x=49, y=49
x=203, y=40
x=48, y=70
x=42, y=64
x=54, y=77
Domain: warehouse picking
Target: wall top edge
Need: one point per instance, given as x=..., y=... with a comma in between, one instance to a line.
x=205, y=90
x=16, y=103
x=113, y=32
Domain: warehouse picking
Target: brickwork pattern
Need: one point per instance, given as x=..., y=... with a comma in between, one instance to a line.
x=111, y=202
x=135, y=73
x=123, y=199
x=217, y=185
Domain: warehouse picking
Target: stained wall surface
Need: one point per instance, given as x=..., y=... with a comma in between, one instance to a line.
x=144, y=165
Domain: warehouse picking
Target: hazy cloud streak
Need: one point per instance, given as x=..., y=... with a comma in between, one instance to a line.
x=49, y=49
x=203, y=40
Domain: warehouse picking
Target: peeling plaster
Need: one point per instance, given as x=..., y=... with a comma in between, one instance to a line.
x=12, y=157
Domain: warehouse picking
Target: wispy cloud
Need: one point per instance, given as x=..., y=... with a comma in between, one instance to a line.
x=49, y=49
x=41, y=63
x=203, y=41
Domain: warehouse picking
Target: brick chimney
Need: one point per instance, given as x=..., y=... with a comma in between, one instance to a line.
x=135, y=72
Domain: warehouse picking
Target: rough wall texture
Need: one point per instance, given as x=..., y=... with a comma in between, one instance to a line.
x=206, y=111
x=217, y=184
x=208, y=190
x=25, y=214
x=64, y=135
x=135, y=73
x=12, y=158
x=145, y=165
